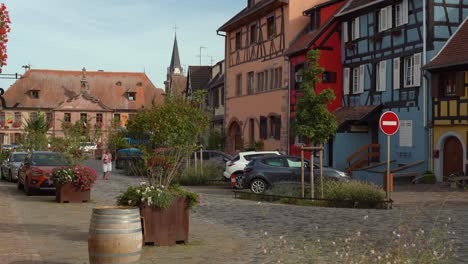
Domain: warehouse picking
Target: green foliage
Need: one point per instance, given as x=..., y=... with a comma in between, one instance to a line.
x=35, y=133
x=174, y=129
x=74, y=133
x=202, y=176
x=429, y=178
x=216, y=140
x=82, y=178
x=353, y=191
x=4, y=154
x=116, y=137
x=313, y=121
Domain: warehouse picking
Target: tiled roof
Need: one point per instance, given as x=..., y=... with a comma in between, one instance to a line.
x=198, y=76
x=355, y=113
x=249, y=13
x=57, y=86
x=454, y=52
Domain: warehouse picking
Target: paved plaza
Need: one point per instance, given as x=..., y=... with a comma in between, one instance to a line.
x=36, y=229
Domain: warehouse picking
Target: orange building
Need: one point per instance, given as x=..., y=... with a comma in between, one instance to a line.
x=257, y=73
x=94, y=97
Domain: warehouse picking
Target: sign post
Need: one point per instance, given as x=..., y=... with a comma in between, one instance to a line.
x=389, y=124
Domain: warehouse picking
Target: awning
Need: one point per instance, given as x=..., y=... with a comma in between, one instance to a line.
x=356, y=114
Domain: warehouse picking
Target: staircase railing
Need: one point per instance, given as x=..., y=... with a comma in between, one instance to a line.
x=363, y=156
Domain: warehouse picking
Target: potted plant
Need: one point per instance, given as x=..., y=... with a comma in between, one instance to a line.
x=175, y=128
x=73, y=184
x=429, y=177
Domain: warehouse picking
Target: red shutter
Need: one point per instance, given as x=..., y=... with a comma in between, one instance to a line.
x=460, y=84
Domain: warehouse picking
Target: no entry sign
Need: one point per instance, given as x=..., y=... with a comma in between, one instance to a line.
x=389, y=123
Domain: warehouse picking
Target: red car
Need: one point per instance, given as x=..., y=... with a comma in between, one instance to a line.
x=36, y=170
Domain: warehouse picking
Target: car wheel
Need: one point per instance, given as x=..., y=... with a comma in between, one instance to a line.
x=258, y=186
x=27, y=189
x=239, y=180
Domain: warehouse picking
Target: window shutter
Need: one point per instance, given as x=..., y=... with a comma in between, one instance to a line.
x=417, y=69
x=382, y=19
x=263, y=127
x=389, y=17
x=382, y=75
x=406, y=133
x=346, y=81
x=361, y=78
x=405, y=12
x=345, y=32
x=460, y=83
x=357, y=33
x=278, y=128
x=396, y=73
x=435, y=82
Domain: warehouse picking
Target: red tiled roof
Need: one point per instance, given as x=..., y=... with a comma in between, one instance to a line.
x=454, y=52
x=110, y=88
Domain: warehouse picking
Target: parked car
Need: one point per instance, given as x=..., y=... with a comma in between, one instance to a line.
x=237, y=164
x=10, y=166
x=215, y=157
x=36, y=170
x=10, y=146
x=127, y=154
x=261, y=173
x=88, y=146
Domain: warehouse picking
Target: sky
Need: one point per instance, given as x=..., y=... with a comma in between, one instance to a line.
x=114, y=35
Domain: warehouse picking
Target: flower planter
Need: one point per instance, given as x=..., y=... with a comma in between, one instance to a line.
x=166, y=227
x=67, y=193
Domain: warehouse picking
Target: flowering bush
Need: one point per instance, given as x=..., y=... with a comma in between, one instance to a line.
x=155, y=196
x=82, y=178
x=4, y=29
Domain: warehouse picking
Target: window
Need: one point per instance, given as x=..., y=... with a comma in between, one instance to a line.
x=271, y=27
x=294, y=162
x=412, y=73
x=272, y=79
x=98, y=118
x=448, y=83
x=345, y=32
x=263, y=127
x=328, y=77
x=238, y=40
x=385, y=18
x=355, y=32
x=222, y=95
x=239, y=84
x=253, y=34
x=250, y=83
x=117, y=117
x=34, y=94
x=67, y=117
x=216, y=97
x=252, y=131
x=298, y=75
x=358, y=79
x=275, y=162
x=401, y=13
x=278, y=78
x=49, y=118
x=266, y=87
x=396, y=74
x=131, y=116
x=33, y=116
x=260, y=81
x=131, y=96
x=346, y=77
x=2, y=118
x=275, y=127
x=314, y=20
x=84, y=117
x=406, y=133
x=381, y=74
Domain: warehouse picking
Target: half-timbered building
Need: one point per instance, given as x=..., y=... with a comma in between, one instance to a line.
x=257, y=76
x=321, y=33
x=385, y=43
x=450, y=105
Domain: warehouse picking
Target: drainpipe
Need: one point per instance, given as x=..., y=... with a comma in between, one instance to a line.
x=430, y=166
x=225, y=86
x=288, y=120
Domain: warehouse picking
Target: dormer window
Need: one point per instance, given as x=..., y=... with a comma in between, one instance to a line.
x=314, y=20
x=34, y=94
x=131, y=96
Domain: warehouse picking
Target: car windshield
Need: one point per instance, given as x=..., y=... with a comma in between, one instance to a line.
x=18, y=157
x=49, y=159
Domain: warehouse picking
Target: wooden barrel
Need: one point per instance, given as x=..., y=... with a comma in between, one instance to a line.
x=115, y=235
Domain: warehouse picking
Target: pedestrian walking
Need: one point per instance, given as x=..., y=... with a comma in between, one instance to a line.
x=106, y=164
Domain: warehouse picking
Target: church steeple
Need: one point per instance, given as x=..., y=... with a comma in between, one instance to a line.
x=175, y=67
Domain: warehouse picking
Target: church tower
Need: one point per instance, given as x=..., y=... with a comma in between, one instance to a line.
x=176, y=81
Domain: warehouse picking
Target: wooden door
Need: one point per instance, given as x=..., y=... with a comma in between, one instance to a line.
x=453, y=157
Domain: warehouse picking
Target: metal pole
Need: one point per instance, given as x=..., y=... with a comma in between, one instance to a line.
x=321, y=171
x=388, y=169
x=195, y=159
x=302, y=173
x=312, y=187
x=201, y=159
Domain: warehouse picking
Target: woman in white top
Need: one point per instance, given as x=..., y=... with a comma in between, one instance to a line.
x=106, y=164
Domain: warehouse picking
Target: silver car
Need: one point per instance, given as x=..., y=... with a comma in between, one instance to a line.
x=10, y=166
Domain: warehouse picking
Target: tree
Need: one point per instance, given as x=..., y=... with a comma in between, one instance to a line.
x=173, y=130
x=313, y=120
x=35, y=133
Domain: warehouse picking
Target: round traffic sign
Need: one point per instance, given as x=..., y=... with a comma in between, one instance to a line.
x=389, y=123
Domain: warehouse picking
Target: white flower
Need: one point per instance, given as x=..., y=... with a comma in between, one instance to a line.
x=162, y=186
x=266, y=233
x=336, y=252
x=413, y=245
x=138, y=191
x=449, y=219
x=142, y=183
x=281, y=237
x=435, y=253
x=129, y=201
x=358, y=233
x=379, y=257
x=333, y=243
x=366, y=217
x=398, y=235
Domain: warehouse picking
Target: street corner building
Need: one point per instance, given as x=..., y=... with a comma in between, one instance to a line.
x=257, y=72
x=94, y=97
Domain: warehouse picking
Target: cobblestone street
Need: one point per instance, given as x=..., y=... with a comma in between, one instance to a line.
x=36, y=229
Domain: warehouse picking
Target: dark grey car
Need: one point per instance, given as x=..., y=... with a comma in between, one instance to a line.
x=261, y=173
x=10, y=166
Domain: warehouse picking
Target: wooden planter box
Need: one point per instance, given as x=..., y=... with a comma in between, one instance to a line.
x=67, y=193
x=166, y=227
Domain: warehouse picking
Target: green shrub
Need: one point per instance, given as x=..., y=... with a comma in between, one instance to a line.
x=207, y=175
x=134, y=168
x=429, y=178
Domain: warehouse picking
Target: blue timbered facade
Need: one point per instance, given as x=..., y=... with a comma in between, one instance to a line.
x=385, y=45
